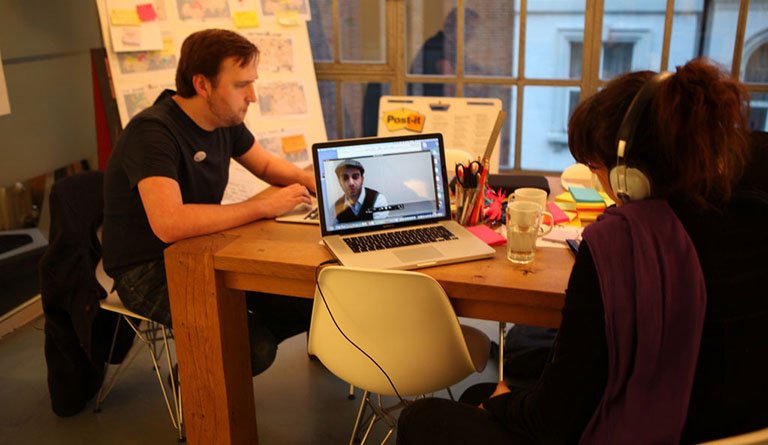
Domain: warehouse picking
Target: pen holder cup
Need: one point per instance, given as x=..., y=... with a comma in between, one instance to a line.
x=470, y=203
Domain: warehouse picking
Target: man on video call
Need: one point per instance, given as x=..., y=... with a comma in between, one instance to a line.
x=358, y=202
x=166, y=177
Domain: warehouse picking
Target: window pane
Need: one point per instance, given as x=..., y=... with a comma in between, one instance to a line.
x=361, y=107
x=489, y=37
x=545, y=120
x=371, y=95
x=506, y=145
x=430, y=30
x=431, y=89
x=550, y=32
x=720, y=31
x=320, y=30
x=755, y=57
x=686, y=39
x=327, y=92
x=756, y=66
x=635, y=24
x=362, y=30
x=758, y=112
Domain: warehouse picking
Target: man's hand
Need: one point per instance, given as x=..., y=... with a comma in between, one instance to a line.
x=284, y=200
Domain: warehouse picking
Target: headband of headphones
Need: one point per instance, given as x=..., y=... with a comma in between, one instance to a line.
x=630, y=183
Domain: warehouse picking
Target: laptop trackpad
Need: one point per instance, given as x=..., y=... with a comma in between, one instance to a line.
x=418, y=254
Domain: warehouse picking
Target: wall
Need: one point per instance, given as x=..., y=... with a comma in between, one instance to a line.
x=45, y=47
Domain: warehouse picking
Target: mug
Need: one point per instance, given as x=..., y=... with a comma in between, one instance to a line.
x=530, y=194
x=524, y=225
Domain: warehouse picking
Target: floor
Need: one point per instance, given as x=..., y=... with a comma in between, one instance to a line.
x=298, y=401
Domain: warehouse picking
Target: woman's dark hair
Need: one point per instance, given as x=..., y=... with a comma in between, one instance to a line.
x=691, y=141
x=202, y=53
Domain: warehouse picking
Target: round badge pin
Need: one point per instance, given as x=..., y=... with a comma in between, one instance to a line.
x=199, y=156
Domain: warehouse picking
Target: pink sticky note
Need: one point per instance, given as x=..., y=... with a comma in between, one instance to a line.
x=146, y=12
x=491, y=237
x=557, y=213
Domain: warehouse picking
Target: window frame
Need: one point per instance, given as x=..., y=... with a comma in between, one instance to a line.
x=394, y=69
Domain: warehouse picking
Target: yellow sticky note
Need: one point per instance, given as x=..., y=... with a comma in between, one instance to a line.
x=288, y=17
x=245, y=19
x=404, y=118
x=292, y=144
x=124, y=17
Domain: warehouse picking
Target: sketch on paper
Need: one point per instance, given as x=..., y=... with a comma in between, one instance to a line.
x=139, y=98
x=146, y=61
x=276, y=52
x=203, y=9
x=290, y=146
x=272, y=7
x=281, y=98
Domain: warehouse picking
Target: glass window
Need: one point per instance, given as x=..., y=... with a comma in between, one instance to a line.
x=756, y=67
x=327, y=90
x=550, y=31
x=544, y=138
x=686, y=40
x=505, y=93
x=362, y=30
x=320, y=30
x=490, y=40
x=720, y=31
x=758, y=112
x=370, y=112
x=632, y=24
x=430, y=37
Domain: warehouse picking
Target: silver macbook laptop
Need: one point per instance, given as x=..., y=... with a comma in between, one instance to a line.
x=384, y=203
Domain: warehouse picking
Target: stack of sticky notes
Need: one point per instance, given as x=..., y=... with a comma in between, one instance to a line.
x=588, y=202
x=566, y=202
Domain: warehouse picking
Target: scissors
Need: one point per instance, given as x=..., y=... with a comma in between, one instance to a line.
x=468, y=175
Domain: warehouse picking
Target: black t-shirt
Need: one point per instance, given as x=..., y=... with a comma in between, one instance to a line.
x=162, y=141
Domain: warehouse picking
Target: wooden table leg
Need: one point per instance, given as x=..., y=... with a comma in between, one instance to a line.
x=211, y=335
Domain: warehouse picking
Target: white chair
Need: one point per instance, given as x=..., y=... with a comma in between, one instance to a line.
x=151, y=334
x=754, y=438
x=407, y=339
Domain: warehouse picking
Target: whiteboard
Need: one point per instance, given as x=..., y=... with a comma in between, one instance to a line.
x=287, y=117
x=466, y=123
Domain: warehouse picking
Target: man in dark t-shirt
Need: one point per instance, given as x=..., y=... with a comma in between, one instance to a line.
x=166, y=177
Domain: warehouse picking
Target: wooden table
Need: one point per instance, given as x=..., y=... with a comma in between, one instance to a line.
x=206, y=277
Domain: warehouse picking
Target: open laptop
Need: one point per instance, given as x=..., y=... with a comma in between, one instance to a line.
x=406, y=200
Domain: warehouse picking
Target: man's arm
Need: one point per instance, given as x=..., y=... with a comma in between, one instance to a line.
x=172, y=220
x=275, y=170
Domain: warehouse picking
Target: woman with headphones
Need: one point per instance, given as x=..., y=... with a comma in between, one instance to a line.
x=664, y=334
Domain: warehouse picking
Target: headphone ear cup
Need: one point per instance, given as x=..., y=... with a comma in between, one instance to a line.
x=637, y=184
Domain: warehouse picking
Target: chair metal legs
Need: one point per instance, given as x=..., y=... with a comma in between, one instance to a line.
x=377, y=412
x=149, y=337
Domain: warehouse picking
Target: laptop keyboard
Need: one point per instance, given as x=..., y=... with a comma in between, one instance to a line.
x=389, y=240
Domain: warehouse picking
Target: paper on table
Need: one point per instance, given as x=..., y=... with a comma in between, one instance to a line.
x=242, y=184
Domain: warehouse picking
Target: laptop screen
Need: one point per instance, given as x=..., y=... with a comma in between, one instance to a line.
x=375, y=183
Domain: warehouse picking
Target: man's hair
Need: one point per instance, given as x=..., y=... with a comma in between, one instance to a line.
x=202, y=53
x=349, y=163
x=691, y=141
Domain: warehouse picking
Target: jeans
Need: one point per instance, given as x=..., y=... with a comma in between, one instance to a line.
x=271, y=318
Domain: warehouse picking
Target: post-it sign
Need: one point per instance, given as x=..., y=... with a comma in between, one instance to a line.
x=146, y=12
x=404, y=118
x=124, y=17
x=292, y=144
x=245, y=19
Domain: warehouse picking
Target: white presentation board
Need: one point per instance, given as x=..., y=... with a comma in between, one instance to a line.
x=287, y=117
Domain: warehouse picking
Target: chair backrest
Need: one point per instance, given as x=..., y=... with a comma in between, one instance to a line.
x=403, y=320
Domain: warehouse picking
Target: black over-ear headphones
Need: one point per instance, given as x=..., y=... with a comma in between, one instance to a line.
x=629, y=183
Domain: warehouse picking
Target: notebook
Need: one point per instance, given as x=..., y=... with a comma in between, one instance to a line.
x=402, y=196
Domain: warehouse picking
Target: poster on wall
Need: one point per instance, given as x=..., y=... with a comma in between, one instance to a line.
x=5, y=105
